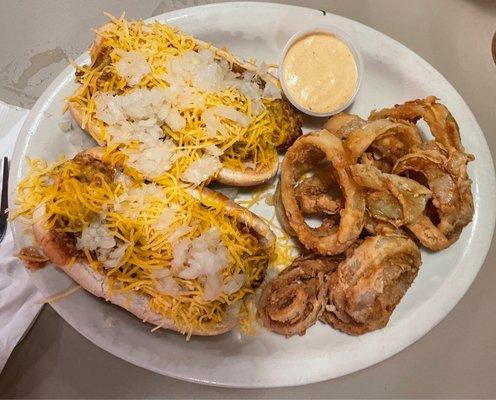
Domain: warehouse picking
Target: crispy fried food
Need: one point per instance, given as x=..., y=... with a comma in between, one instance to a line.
x=293, y=302
x=402, y=190
x=445, y=173
x=342, y=124
x=386, y=139
x=307, y=152
x=370, y=283
x=393, y=202
x=374, y=226
x=281, y=212
x=32, y=258
x=379, y=142
x=375, y=159
x=441, y=123
x=315, y=193
x=392, y=198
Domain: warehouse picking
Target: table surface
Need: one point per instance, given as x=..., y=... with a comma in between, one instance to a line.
x=456, y=359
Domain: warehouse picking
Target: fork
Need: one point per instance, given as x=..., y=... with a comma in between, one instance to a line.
x=493, y=47
x=4, y=199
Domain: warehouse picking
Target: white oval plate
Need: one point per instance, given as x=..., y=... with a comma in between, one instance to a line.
x=393, y=74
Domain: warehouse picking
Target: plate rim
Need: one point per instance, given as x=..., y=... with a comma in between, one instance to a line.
x=35, y=115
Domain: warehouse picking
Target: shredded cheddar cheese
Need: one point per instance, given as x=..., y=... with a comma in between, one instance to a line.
x=76, y=193
x=132, y=216
x=59, y=296
x=251, y=146
x=286, y=249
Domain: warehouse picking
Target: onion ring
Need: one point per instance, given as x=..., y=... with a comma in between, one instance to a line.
x=293, y=302
x=313, y=196
x=370, y=283
x=447, y=178
x=391, y=139
x=395, y=202
x=281, y=212
x=306, y=152
x=313, y=193
x=342, y=124
x=440, y=121
x=377, y=161
x=395, y=199
x=377, y=227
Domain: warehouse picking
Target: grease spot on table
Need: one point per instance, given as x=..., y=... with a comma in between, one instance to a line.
x=27, y=76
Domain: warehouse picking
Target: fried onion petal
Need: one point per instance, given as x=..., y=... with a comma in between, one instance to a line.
x=440, y=121
x=293, y=302
x=446, y=174
x=369, y=284
x=307, y=152
x=389, y=139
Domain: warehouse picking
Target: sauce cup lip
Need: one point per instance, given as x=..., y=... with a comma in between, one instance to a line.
x=340, y=35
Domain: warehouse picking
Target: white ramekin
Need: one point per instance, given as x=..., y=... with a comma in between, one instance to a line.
x=343, y=37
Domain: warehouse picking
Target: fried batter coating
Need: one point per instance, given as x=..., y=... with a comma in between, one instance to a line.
x=293, y=302
x=445, y=172
x=307, y=152
x=370, y=283
x=440, y=121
